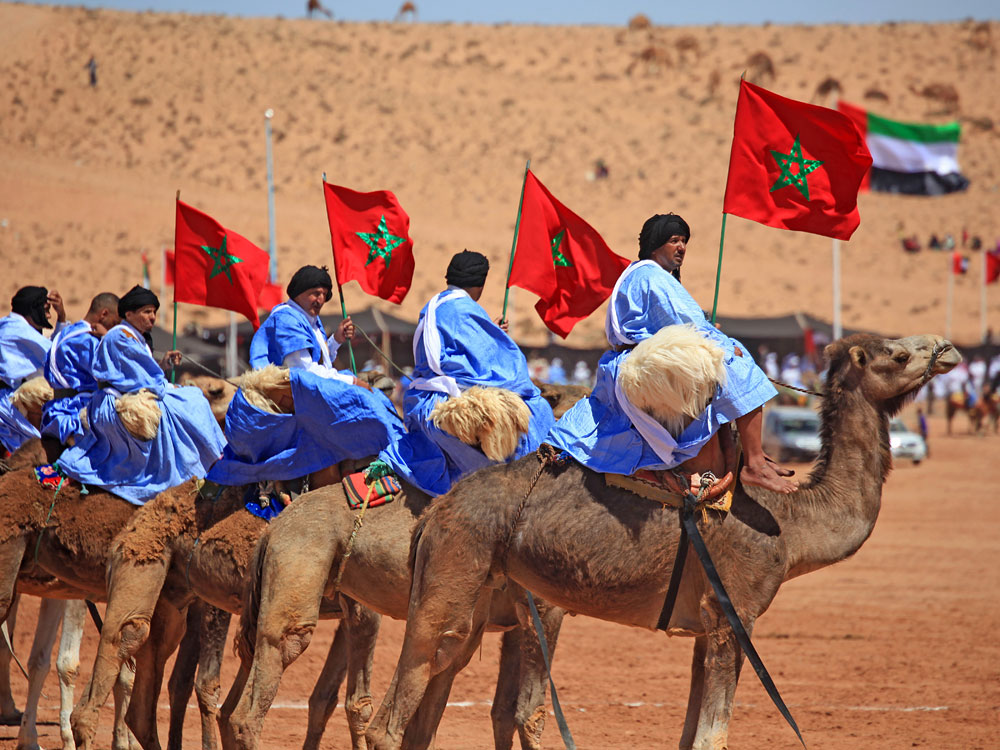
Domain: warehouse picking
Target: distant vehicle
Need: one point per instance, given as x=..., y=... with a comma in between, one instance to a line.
x=791, y=433
x=905, y=443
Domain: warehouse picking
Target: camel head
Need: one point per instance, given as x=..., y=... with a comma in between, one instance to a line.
x=887, y=371
x=218, y=392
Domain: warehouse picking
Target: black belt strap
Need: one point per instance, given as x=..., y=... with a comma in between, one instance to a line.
x=675, y=581
x=690, y=525
x=95, y=615
x=58, y=393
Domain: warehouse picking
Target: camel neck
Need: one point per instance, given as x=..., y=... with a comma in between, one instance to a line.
x=835, y=511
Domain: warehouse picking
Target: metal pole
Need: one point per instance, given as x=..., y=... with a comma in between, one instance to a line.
x=271, y=241
x=951, y=295
x=232, y=366
x=838, y=330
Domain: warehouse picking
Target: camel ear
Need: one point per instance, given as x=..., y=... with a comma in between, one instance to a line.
x=859, y=356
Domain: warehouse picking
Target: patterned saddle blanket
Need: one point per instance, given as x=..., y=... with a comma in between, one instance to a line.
x=378, y=491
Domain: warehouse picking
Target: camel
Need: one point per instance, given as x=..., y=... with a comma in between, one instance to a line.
x=315, y=6
x=296, y=565
x=654, y=60
x=55, y=546
x=943, y=95
x=596, y=550
x=407, y=11
x=760, y=69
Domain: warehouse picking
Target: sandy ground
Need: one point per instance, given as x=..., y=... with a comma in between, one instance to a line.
x=445, y=116
x=894, y=648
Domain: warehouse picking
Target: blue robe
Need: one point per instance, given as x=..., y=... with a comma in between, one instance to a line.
x=333, y=420
x=456, y=347
x=68, y=366
x=22, y=356
x=186, y=444
x=600, y=431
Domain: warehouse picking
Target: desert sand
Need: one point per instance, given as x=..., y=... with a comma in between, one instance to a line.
x=445, y=116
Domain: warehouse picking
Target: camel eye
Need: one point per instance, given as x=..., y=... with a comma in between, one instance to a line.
x=902, y=358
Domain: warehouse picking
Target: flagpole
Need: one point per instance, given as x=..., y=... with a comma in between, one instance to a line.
x=231, y=364
x=838, y=331
x=272, y=246
x=336, y=274
x=982, y=297
x=513, y=245
x=718, y=272
x=173, y=367
x=951, y=294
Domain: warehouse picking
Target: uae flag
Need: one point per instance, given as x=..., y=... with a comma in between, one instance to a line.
x=562, y=259
x=909, y=158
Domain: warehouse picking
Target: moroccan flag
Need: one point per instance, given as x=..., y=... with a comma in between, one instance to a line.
x=794, y=165
x=371, y=241
x=270, y=295
x=168, y=262
x=909, y=158
x=993, y=265
x=562, y=259
x=959, y=263
x=215, y=267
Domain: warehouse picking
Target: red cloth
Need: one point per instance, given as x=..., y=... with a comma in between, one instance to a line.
x=215, y=267
x=993, y=265
x=774, y=177
x=562, y=259
x=168, y=262
x=270, y=295
x=370, y=233
x=959, y=263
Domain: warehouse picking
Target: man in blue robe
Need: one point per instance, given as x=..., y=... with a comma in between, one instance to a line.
x=23, y=348
x=68, y=368
x=606, y=433
x=188, y=439
x=335, y=418
x=456, y=347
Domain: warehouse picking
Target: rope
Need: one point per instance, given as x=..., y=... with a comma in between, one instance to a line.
x=795, y=388
x=376, y=347
x=567, y=737
x=38, y=544
x=547, y=455
x=358, y=521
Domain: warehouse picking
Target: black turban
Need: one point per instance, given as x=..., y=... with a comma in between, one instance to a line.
x=30, y=302
x=657, y=230
x=310, y=277
x=136, y=298
x=467, y=269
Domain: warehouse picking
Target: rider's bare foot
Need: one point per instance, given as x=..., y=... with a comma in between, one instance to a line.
x=766, y=475
x=782, y=471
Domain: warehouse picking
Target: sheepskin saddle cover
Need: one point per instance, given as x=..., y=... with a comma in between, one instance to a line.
x=492, y=419
x=140, y=413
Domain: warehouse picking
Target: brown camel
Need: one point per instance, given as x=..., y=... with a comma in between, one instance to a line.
x=407, y=11
x=297, y=563
x=55, y=545
x=600, y=551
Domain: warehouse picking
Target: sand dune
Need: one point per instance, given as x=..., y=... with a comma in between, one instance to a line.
x=445, y=116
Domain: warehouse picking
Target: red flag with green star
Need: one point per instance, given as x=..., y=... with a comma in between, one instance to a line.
x=215, y=267
x=371, y=241
x=795, y=165
x=562, y=259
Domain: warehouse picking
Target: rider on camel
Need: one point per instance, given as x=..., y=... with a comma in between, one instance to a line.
x=23, y=349
x=456, y=347
x=606, y=433
x=69, y=368
x=187, y=438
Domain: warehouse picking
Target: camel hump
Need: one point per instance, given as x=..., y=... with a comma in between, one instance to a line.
x=267, y=387
x=31, y=395
x=139, y=413
x=673, y=374
x=491, y=418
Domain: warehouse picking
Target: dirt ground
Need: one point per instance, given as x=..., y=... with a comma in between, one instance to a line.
x=894, y=648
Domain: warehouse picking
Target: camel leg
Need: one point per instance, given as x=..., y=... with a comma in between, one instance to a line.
x=68, y=665
x=122, y=738
x=290, y=592
x=722, y=662
x=9, y=715
x=214, y=629
x=49, y=616
x=529, y=716
x=362, y=634
x=695, y=693
x=229, y=705
x=181, y=682
x=132, y=597
x=506, y=695
x=323, y=699
x=166, y=628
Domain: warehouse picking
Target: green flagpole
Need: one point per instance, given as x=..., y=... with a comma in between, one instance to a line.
x=513, y=245
x=173, y=367
x=340, y=289
x=718, y=272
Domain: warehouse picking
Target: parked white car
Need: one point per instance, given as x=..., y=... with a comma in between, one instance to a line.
x=905, y=443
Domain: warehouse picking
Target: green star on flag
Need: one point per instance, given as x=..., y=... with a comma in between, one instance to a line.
x=798, y=176
x=558, y=259
x=222, y=260
x=380, y=243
